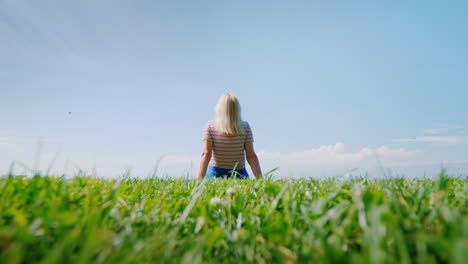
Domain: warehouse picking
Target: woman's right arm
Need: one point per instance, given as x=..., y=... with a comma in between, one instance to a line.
x=252, y=159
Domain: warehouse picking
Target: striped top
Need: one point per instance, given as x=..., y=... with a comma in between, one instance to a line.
x=227, y=150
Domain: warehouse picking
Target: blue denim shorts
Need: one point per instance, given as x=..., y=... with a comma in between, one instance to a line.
x=214, y=172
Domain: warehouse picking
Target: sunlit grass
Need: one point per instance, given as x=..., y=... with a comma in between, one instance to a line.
x=361, y=220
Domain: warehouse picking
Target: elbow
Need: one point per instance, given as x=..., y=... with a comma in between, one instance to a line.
x=206, y=155
x=251, y=155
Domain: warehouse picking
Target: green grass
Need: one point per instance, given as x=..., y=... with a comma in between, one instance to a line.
x=89, y=220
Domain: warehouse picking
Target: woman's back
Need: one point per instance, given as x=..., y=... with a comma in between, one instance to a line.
x=228, y=151
x=228, y=143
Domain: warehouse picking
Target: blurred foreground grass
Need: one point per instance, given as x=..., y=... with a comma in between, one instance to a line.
x=89, y=220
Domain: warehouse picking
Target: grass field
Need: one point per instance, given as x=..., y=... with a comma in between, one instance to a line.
x=89, y=220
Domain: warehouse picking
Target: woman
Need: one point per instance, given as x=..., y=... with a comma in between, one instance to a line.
x=224, y=142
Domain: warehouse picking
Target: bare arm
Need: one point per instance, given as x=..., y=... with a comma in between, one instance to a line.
x=205, y=158
x=252, y=159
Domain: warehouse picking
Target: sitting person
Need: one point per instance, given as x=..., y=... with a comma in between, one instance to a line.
x=228, y=142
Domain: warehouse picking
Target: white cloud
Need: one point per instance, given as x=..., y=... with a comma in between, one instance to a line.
x=330, y=160
x=443, y=128
x=434, y=130
x=444, y=140
x=335, y=156
x=333, y=160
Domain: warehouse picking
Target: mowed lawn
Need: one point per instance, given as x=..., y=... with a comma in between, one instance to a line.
x=361, y=220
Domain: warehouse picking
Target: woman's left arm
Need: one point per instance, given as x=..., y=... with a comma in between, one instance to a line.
x=205, y=158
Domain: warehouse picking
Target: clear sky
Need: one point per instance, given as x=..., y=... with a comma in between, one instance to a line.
x=327, y=86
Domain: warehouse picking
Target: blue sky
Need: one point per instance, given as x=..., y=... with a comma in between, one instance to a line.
x=327, y=86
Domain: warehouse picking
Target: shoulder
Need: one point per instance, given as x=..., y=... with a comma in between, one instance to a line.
x=210, y=124
x=246, y=127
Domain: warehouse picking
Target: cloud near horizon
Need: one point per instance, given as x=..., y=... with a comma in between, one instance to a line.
x=443, y=140
x=434, y=131
x=335, y=156
x=325, y=160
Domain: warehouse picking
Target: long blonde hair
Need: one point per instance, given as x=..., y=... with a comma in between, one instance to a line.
x=228, y=115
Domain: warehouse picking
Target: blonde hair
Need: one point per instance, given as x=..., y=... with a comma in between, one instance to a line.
x=228, y=115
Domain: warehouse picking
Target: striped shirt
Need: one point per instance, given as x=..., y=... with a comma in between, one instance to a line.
x=227, y=150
